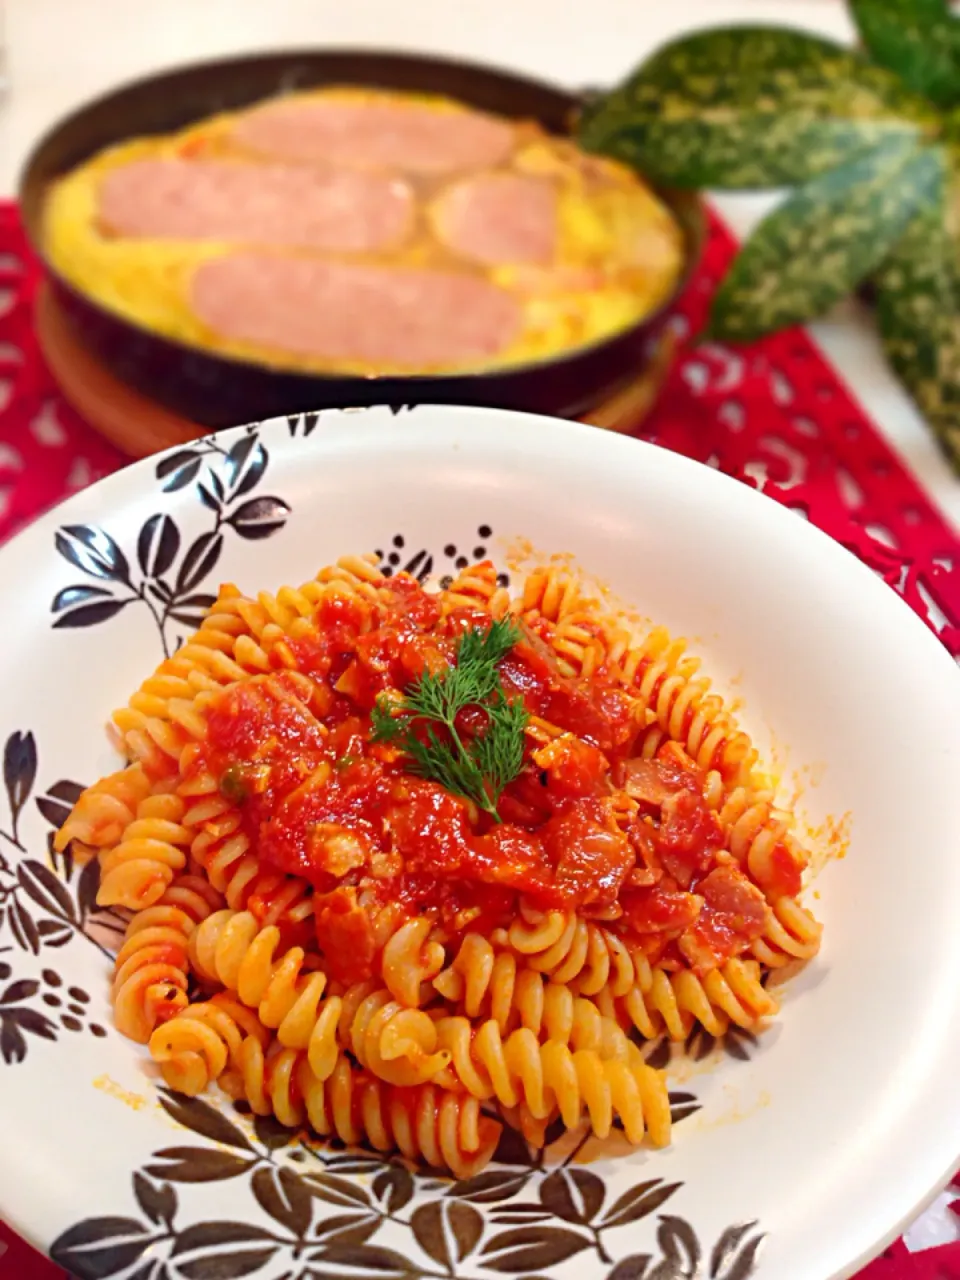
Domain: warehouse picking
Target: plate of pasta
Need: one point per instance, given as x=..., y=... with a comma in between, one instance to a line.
x=498, y=859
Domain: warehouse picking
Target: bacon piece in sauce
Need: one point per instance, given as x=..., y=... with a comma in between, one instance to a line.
x=573, y=767
x=595, y=710
x=659, y=910
x=734, y=914
x=345, y=936
x=590, y=854
x=688, y=837
x=413, y=318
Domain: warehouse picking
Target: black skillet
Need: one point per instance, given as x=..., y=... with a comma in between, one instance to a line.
x=218, y=391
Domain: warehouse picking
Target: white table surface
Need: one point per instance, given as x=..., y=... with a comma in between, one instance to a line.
x=60, y=52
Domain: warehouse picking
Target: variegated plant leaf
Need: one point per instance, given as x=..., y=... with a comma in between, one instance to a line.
x=817, y=246
x=918, y=311
x=917, y=39
x=751, y=106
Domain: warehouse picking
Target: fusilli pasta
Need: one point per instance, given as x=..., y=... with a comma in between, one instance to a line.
x=398, y=855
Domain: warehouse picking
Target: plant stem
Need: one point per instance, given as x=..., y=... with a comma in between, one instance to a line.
x=577, y=1149
x=159, y=619
x=601, y=1251
x=13, y=839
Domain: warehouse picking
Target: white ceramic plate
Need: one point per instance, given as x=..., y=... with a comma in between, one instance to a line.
x=799, y=1155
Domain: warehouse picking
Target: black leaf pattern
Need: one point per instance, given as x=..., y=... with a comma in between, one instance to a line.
x=491, y=1187
x=659, y=1055
x=202, y=1118
x=89, y=615
x=347, y=1228
x=373, y=1258
x=305, y=422
x=270, y=1133
x=19, y=773
x=237, y=457
x=640, y=1201
x=87, y=888
x=679, y=1244
x=521, y=1214
x=355, y=1163
x=158, y=1202
x=575, y=1195
x=209, y=499
x=532, y=1248
x=157, y=545
x=198, y=1164
x=633, y=1267
x=46, y=890
x=33, y=1021
x=248, y=473
x=447, y=1231
x=79, y=593
x=338, y=1191
x=216, y=1266
x=259, y=517
x=734, y=1257
x=682, y=1110
x=18, y=991
x=210, y=1235
x=13, y=1047
x=58, y=801
x=100, y=1247
x=53, y=933
x=93, y=551
x=178, y=469
x=24, y=929
x=151, y=1270
x=394, y=1188
x=282, y=1195
x=201, y=558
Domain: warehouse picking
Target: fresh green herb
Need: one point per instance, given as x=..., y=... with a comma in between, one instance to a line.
x=482, y=766
x=345, y=762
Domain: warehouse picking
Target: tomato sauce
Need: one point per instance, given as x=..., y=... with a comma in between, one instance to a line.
x=320, y=800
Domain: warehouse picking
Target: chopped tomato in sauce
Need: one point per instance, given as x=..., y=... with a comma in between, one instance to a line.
x=583, y=825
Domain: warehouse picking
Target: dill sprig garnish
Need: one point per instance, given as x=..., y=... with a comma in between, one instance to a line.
x=482, y=765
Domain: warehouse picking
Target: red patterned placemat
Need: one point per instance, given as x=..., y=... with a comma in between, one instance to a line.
x=776, y=416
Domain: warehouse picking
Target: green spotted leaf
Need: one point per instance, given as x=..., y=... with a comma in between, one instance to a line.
x=918, y=311
x=918, y=39
x=742, y=107
x=822, y=242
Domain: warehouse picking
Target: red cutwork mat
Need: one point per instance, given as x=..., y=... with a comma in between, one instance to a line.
x=776, y=416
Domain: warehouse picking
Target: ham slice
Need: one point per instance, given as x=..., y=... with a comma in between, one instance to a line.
x=498, y=218
x=341, y=210
x=409, y=317
x=376, y=133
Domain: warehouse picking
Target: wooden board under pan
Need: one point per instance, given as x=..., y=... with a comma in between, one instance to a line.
x=139, y=426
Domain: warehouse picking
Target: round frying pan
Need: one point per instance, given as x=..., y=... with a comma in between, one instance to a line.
x=218, y=391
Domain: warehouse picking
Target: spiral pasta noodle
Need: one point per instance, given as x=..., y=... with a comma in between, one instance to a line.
x=517, y=1069
x=137, y=871
x=577, y=951
x=196, y=1047
x=672, y=1003
x=484, y=982
x=442, y=1128
x=103, y=812
x=355, y=907
x=152, y=965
